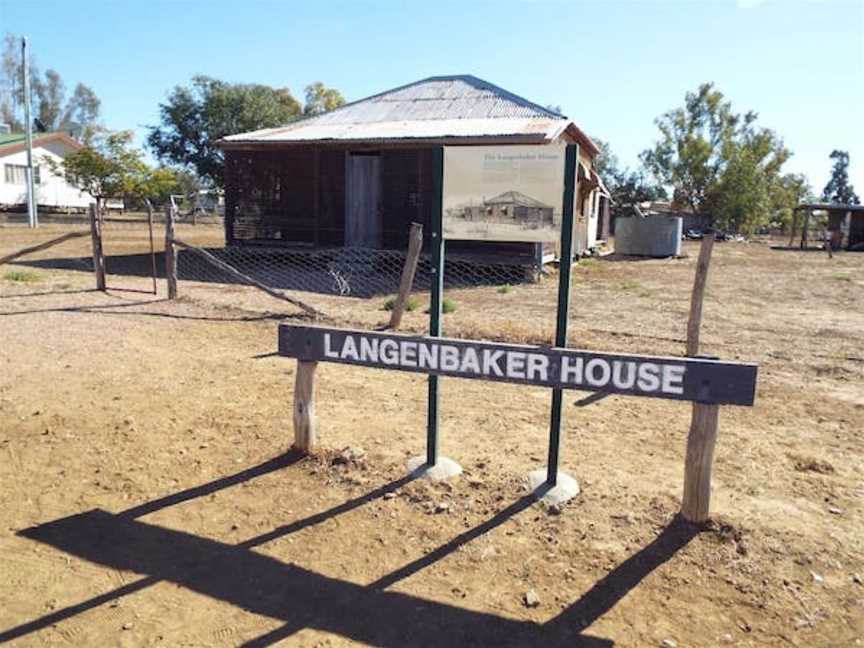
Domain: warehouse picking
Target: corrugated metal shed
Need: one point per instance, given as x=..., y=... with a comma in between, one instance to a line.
x=438, y=107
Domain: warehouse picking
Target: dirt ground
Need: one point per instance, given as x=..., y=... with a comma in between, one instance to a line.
x=147, y=497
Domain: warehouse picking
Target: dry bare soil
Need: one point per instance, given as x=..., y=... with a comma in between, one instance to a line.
x=149, y=498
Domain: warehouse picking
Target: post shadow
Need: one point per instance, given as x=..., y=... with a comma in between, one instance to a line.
x=610, y=589
x=304, y=599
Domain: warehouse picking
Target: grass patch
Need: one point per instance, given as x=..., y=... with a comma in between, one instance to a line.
x=448, y=306
x=586, y=262
x=24, y=276
x=410, y=304
x=842, y=277
x=506, y=288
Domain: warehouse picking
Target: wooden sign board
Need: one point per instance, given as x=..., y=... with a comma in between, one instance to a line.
x=690, y=379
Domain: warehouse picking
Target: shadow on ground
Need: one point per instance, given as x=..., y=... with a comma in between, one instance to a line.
x=338, y=271
x=302, y=598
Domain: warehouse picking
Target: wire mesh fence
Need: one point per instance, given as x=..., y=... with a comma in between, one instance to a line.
x=346, y=272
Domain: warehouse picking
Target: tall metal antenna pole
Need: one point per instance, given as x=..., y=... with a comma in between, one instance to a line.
x=32, y=215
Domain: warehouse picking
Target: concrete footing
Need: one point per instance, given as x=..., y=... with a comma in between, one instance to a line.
x=566, y=489
x=444, y=469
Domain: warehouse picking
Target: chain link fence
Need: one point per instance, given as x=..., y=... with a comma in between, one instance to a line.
x=345, y=272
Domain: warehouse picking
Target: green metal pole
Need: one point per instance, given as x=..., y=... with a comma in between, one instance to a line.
x=437, y=261
x=566, y=262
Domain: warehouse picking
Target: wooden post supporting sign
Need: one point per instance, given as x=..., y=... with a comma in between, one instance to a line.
x=695, y=503
x=304, y=407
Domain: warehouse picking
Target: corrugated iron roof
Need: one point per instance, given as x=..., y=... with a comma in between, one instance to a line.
x=516, y=198
x=437, y=107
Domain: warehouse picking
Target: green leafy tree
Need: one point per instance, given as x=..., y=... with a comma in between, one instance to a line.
x=153, y=186
x=320, y=99
x=720, y=163
x=839, y=190
x=693, y=145
x=51, y=107
x=788, y=191
x=197, y=116
x=107, y=167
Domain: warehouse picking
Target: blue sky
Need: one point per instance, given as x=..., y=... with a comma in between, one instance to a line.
x=612, y=66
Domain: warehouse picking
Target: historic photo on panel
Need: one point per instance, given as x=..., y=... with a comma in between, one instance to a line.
x=503, y=193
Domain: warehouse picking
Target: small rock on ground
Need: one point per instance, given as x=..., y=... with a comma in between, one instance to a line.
x=530, y=599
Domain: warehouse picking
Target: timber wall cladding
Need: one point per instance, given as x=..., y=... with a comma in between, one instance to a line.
x=298, y=194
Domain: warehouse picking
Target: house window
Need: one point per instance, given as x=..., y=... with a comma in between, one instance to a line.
x=17, y=174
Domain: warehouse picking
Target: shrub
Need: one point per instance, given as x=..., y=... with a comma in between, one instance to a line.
x=410, y=304
x=506, y=288
x=21, y=275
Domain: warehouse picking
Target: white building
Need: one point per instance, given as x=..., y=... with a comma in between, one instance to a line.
x=53, y=191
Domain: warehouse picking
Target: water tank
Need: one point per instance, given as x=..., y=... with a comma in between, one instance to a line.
x=654, y=236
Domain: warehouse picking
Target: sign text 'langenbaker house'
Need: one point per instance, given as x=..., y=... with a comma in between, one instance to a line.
x=692, y=379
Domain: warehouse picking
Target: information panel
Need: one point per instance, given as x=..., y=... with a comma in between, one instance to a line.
x=503, y=193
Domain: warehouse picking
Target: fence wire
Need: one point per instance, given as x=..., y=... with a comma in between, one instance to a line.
x=346, y=272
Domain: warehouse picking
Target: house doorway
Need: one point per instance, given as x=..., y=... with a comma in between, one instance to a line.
x=363, y=202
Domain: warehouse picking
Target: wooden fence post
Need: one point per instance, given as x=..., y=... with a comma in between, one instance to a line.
x=696, y=501
x=98, y=255
x=304, y=407
x=170, y=253
x=415, y=242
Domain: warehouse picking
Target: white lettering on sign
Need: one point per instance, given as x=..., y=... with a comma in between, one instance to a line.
x=538, y=367
x=328, y=352
x=673, y=379
x=515, y=364
x=597, y=378
x=619, y=380
x=583, y=370
x=490, y=362
x=349, y=349
x=368, y=350
x=649, y=378
x=389, y=352
x=408, y=353
x=449, y=358
x=571, y=370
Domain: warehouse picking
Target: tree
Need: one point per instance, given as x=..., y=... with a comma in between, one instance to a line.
x=839, y=190
x=627, y=187
x=195, y=117
x=719, y=163
x=51, y=108
x=790, y=190
x=105, y=168
x=693, y=141
x=320, y=98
